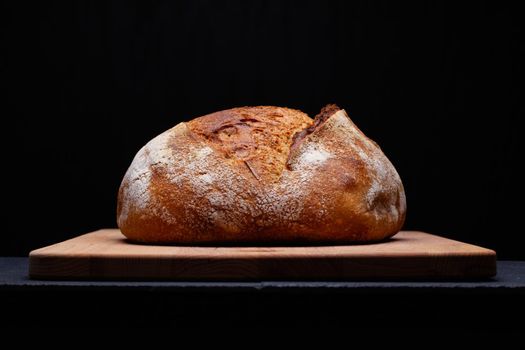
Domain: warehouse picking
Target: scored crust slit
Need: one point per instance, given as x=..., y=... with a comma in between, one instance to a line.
x=318, y=121
x=261, y=174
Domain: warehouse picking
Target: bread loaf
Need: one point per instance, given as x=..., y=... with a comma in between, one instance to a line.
x=261, y=174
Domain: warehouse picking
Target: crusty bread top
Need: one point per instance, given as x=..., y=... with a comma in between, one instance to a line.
x=260, y=136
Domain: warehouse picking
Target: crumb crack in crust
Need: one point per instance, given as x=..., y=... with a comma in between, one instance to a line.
x=261, y=174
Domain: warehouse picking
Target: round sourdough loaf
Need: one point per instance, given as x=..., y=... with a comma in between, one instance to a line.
x=261, y=174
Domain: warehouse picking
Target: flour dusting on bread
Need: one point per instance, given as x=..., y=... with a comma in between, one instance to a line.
x=312, y=155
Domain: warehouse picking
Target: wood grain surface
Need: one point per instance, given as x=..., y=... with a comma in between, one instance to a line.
x=106, y=254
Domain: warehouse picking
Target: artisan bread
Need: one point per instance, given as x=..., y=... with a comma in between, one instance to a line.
x=261, y=174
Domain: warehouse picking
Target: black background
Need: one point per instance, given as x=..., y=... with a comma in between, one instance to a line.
x=85, y=85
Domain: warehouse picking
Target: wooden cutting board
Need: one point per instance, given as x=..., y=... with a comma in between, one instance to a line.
x=106, y=254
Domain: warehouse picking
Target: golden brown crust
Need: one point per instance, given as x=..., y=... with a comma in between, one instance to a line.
x=234, y=176
x=258, y=136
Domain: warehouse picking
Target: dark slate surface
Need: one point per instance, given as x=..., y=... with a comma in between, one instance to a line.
x=360, y=308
